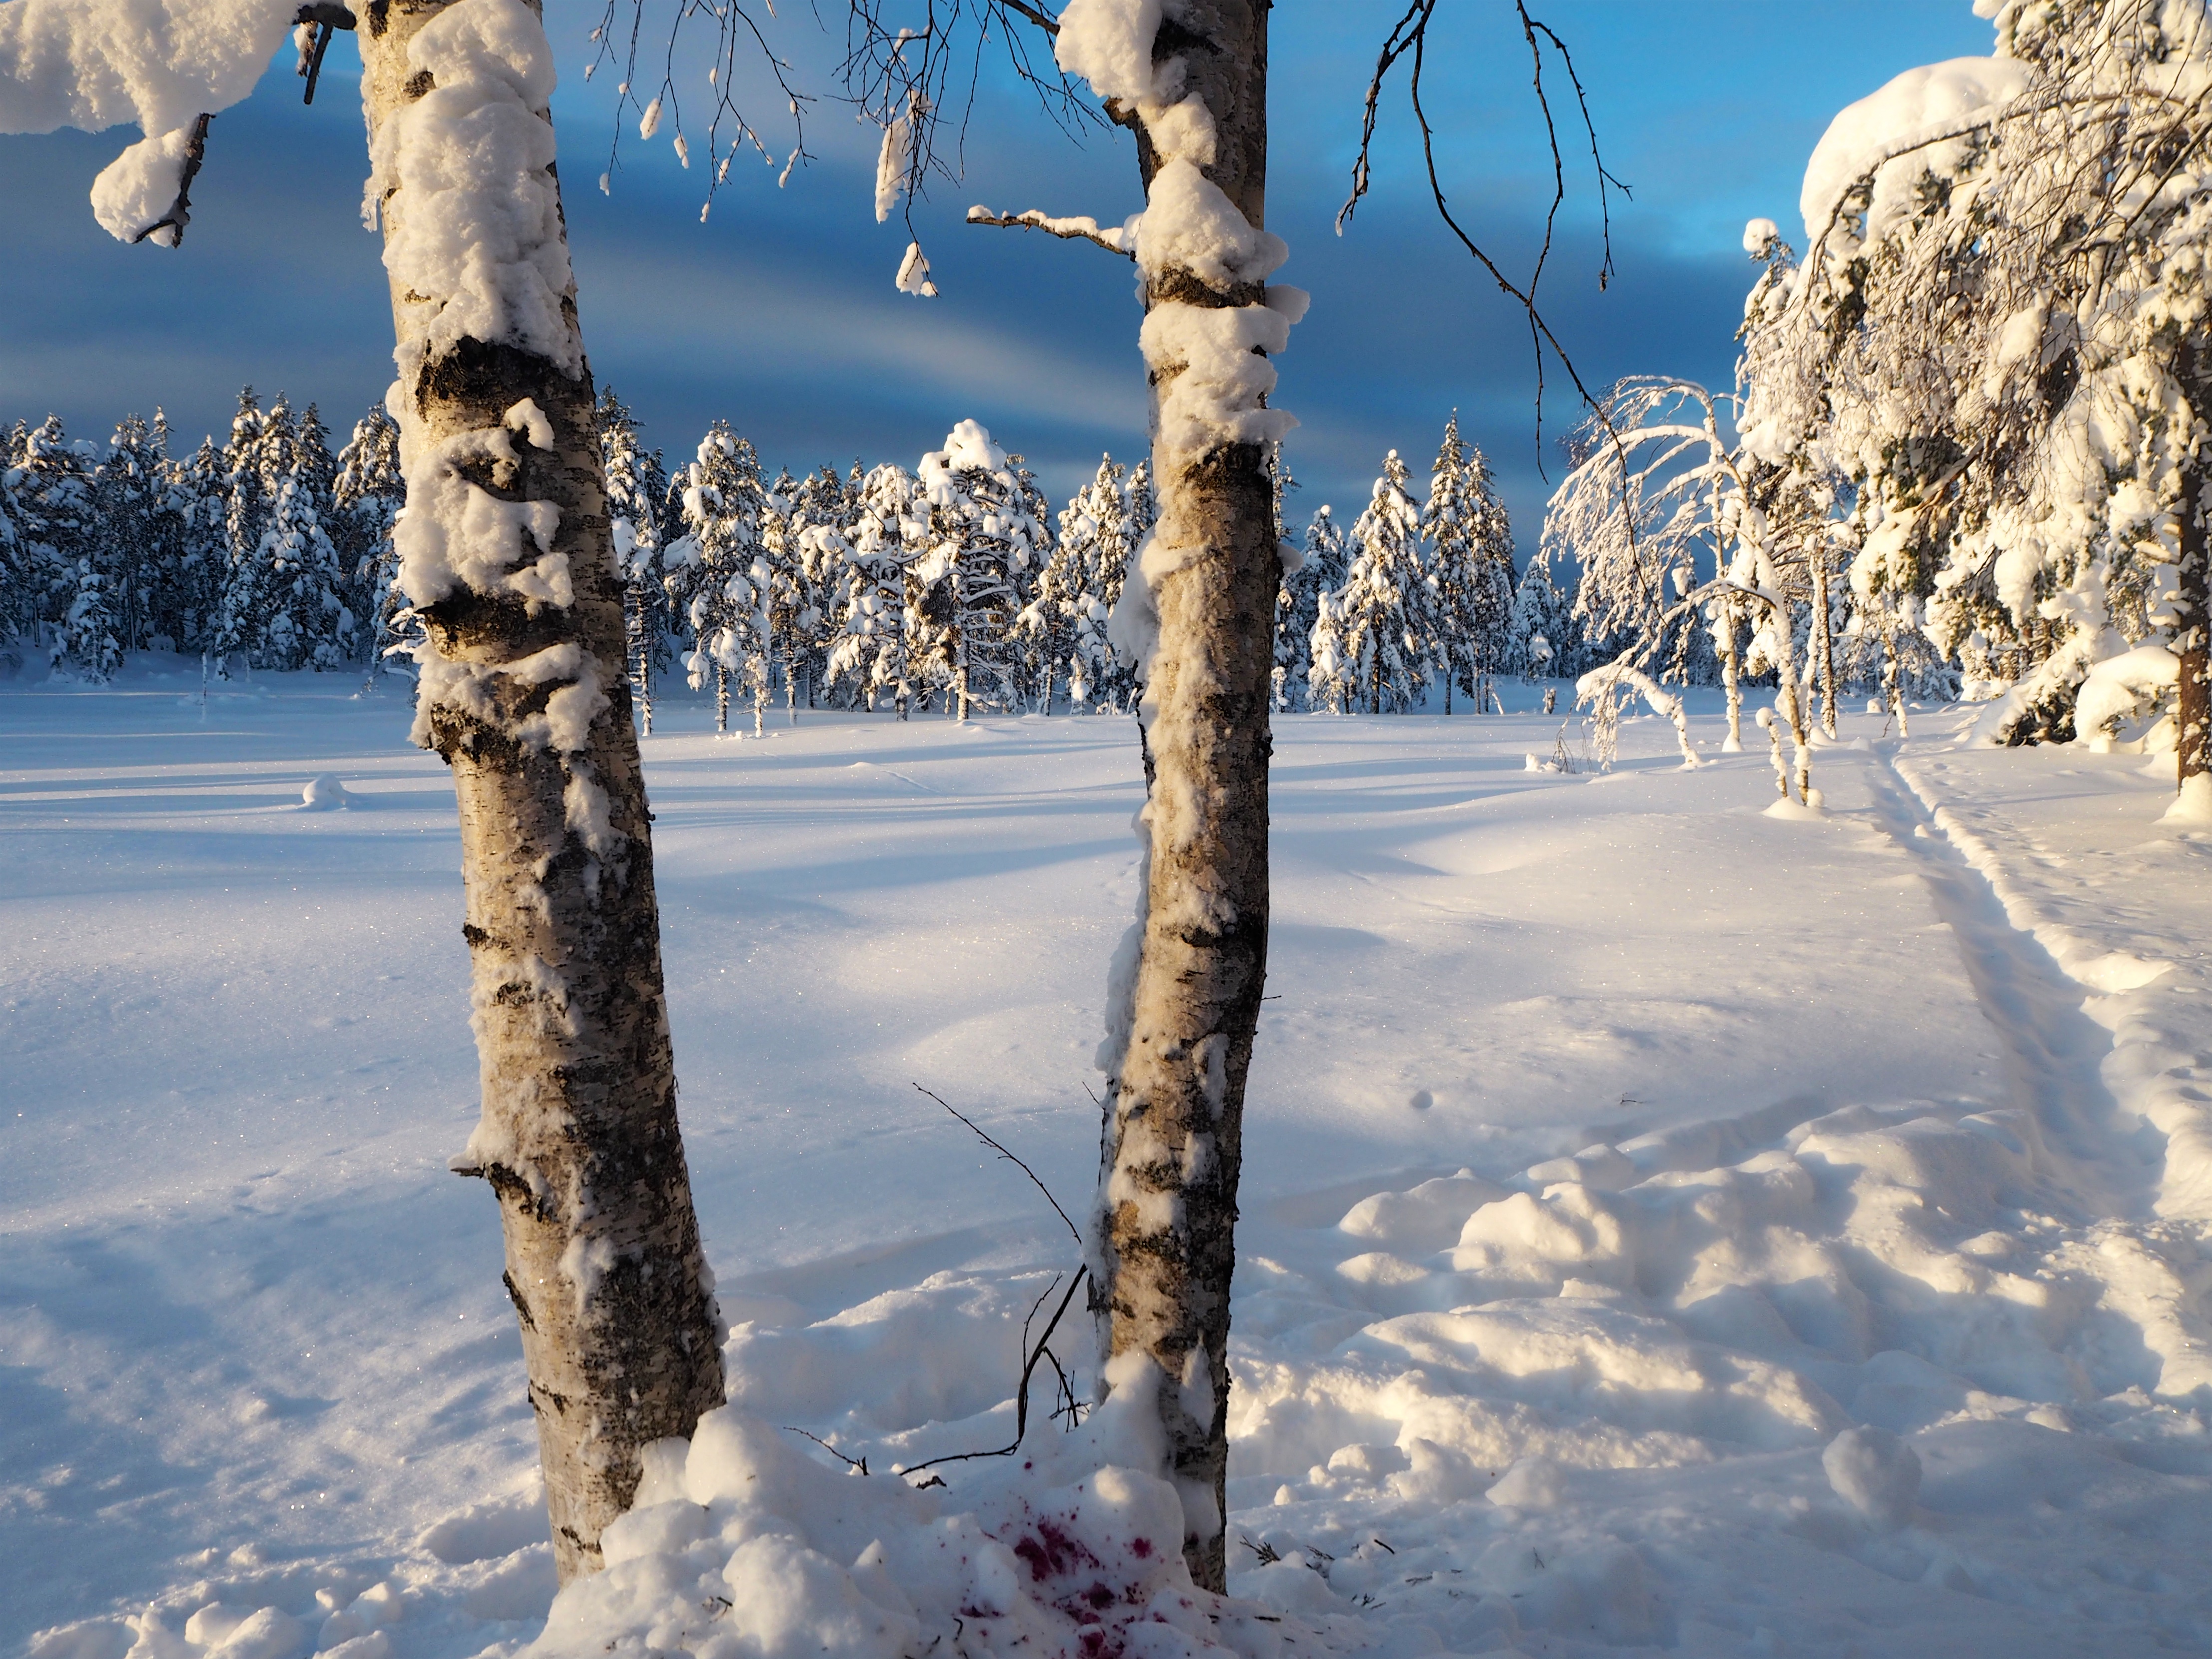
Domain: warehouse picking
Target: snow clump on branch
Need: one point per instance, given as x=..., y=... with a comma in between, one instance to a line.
x=1894, y=133
x=159, y=63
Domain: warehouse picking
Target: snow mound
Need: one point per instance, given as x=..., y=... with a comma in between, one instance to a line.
x=2193, y=803
x=741, y=1545
x=1875, y=1473
x=325, y=793
x=1533, y=1483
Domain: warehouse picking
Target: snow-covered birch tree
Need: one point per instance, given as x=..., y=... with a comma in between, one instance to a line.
x=505, y=553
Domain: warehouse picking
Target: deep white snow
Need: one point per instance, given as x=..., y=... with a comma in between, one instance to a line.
x=1668, y=1227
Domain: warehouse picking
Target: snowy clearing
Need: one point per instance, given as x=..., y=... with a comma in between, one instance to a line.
x=1614, y=1148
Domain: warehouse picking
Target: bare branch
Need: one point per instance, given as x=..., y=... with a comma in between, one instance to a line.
x=1409, y=38
x=1010, y=1159
x=733, y=27
x=323, y=19
x=1030, y=1357
x=859, y=1463
x=1033, y=14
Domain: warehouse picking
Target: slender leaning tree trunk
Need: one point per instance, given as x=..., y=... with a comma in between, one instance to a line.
x=506, y=550
x=2193, y=693
x=2192, y=599
x=1186, y=1003
x=1732, y=674
x=1823, y=641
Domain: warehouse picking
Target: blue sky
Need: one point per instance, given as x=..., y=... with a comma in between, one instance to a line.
x=778, y=313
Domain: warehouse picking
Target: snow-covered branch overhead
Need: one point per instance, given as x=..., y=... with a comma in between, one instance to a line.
x=164, y=65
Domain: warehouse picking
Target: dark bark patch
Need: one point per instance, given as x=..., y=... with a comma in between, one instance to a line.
x=484, y=377
x=521, y=1308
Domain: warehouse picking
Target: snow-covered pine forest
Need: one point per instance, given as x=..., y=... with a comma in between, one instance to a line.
x=1648, y=1098
x=949, y=587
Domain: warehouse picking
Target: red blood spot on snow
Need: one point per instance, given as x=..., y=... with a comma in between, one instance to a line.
x=1141, y=1548
x=1052, y=1551
x=1099, y=1596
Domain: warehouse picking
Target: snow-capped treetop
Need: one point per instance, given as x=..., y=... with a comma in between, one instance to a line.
x=1894, y=133
x=968, y=448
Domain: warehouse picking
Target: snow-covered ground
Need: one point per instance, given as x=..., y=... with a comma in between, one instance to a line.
x=1612, y=1149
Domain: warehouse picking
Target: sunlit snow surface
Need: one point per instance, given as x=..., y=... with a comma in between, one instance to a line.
x=1767, y=1128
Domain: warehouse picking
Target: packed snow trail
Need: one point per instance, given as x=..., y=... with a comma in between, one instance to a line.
x=2053, y=1049
x=1617, y=1148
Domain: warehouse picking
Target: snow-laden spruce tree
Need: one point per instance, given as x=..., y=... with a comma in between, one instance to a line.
x=283, y=603
x=194, y=592
x=1471, y=554
x=721, y=500
x=637, y=488
x=16, y=606
x=1541, y=631
x=56, y=527
x=137, y=527
x=251, y=476
x=505, y=554
x=291, y=593
x=985, y=537
x=805, y=546
x=367, y=493
x=1322, y=564
x=86, y=637
x=876, y=602
x=1097, y=535
x=637, y=507
x=1387, y=617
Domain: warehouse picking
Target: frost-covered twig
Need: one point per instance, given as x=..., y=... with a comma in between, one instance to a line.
x=734, y=28
x=1599, y=687
x=1115, y=238
x=903, y=79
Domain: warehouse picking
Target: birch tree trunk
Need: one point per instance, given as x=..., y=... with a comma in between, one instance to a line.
x=1824, y=639
x=2192, y=599
x=506, y=550
x=1732, y=675
x=2192, y=714
x=1187, y=998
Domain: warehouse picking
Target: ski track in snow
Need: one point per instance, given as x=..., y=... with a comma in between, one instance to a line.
x=1602, y=1123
